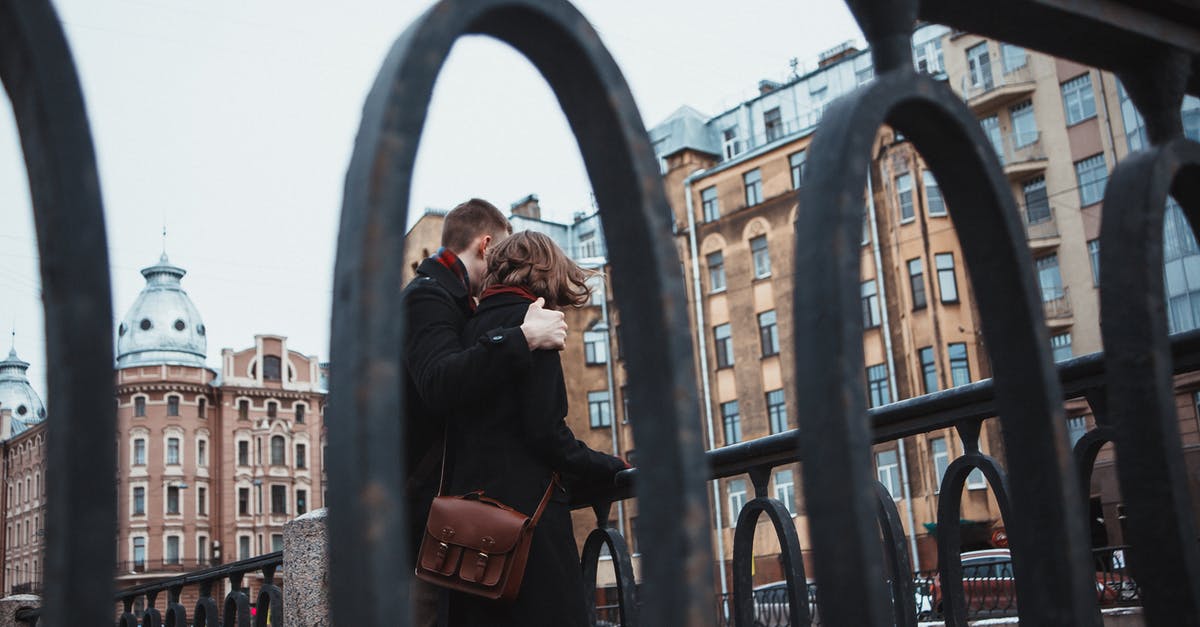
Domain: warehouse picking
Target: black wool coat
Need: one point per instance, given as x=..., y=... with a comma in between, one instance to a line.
x=442, y=372
x=508, y=444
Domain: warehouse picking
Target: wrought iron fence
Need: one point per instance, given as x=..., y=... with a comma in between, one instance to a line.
x=1152, y=47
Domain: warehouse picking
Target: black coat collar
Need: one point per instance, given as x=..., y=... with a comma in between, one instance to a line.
x=433, y=269
x=502, y=300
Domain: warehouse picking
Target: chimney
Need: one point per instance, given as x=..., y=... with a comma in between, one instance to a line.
x=527, y=207
x=837, y=53
x=767, y=86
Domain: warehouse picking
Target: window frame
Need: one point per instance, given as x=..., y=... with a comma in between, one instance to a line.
x=710, y=204
x=959, y=364
x=889, y=470
x=1088, y=167
x=946, y=272
x=715, y=269
x=595, y=347
x=723, y=345
x=1076, y=93
x=905, y=201
x=869, y=297
x=933, y=190
x=599, y=409
x=1023, y=114
x=768, y=333
x=916, y=283
x=879, y=391
x=928, y=360
x=777, y=414
x=278, y=445
x=279, y=505
x=796, y=164
x=760, y=256
x=752, y=185
x=785, y=491
x=731, y=421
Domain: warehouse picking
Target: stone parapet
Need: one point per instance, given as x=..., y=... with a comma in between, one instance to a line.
x=10, y=605
x=306, y=564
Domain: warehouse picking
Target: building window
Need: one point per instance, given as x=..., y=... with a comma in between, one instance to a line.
x=928, y=370
x=1024, y=125
x=870, y=304
x=1060, y=346
x=1013, y=57
x=1079, y=102
x=301, y=502
x=753, y=182
x=916, y=279
x=785, y=490
x=589, y=244
x=272, y=366
x=1179, y=270
x=905, y=193
x=941, y=461
x=202, y=550
x=1094, y=256
x=976, y=480
x=737, y=499
x=863, y=70
x=768, y=333
x=777, y=411
x=243, y=409
x=798, y=160
x=716, y=272
x=139, y=500
x=301, y=456
x=733, y=422
x=172, y=555
x=277, y=448
x=139, y=553
x=172, y=451
x=243, y=501
x=1037, y=203
x=877, y=385
x=201, y=406
x=928, y=55
x=300, y=408
x=960, y=369
x=277, y=542
x=947, y=283
x=172, y=499
x=272, y=409
x=139, y=406
x=1076, y=428
x=979, y=66
x=599, y=409
x=202, y=500
x=724, y=345
x=278, y=499
x=244, y=547
x=710, y=204
x=594, y=347
x=773, y=122
x=888, y=466
x=729, y=142
x=761, y=256
x=1049, y=278
x=201, y=452
x=595, y=285
x=933, y=194
x=1091, y=174
x=991, y=128
x=243, y=453
x=172, y=405
x=139, y=452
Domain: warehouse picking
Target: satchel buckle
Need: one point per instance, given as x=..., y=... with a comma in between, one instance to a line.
x=480, y=566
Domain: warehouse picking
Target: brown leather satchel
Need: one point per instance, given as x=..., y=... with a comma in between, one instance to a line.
x=476, y=544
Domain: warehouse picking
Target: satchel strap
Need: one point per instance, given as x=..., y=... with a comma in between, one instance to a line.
x=545, y=497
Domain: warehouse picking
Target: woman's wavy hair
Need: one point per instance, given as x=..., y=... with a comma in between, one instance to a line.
x=533, y=261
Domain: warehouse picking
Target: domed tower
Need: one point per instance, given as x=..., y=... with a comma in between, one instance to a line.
x=18, y=396
x=163, y=326
x=166, y=434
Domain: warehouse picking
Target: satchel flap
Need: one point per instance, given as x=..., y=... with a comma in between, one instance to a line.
x=475, y=524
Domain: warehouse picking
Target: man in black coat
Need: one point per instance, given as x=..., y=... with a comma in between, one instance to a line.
x=441, y=372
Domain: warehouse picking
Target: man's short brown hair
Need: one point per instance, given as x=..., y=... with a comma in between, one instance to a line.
x=469, y=220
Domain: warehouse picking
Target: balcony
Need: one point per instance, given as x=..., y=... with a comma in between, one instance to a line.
x=1056, y=303
x=1023, y=160
x=1041, y=228
x=988, y=90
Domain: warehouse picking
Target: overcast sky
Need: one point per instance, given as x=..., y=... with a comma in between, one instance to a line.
x=232, y=122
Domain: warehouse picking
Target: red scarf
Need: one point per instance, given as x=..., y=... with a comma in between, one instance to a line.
x=507, y=289
x=447, y=258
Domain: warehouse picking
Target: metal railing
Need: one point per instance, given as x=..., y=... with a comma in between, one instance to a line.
x=976, y=84
x=1045, y=514
x=1056, y=303
x=158, y=566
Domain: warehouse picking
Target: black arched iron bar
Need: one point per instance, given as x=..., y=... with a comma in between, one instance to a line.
x=1150, y=467
x=206, y=614
x=895, y=556
x=237, y=604
x=151, y=617
x=627, y=596
x=176, y=614
x=128, y=618
x=949, y=535
x=370, y=568
x=1047, y=524
x=270, y=601
x=789, y=549
x=39, y=75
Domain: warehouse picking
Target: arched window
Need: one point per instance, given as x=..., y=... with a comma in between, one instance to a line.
x=277, y=450
x=300, y=408
x=172, y=405
x=271, y=368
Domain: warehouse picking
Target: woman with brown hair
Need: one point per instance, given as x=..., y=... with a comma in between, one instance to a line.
x=512, y=442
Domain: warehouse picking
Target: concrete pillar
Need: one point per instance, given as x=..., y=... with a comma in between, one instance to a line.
x=10, y=605
x=306, y=570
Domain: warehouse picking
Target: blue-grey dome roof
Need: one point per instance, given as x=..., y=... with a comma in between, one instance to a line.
x=163, y=326
x=17, y=395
